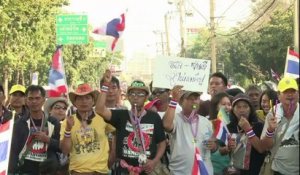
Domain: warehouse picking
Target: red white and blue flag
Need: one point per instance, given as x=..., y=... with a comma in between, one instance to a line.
x=57, y=80
x=220, y=129
x=5, y=143
x=199, y=167
x=112, y=28
x=292, y=64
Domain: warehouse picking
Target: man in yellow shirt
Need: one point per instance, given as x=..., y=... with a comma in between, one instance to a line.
x=83, y=135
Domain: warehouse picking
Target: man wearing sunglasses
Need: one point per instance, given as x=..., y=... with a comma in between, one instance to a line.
x=140, y=135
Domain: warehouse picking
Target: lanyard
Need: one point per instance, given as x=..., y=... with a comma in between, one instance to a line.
x=136, y=124
x=34, y=126
x=193, y=120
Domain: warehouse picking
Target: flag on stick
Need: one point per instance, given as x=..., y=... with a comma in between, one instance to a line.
x=6, y=130
x=220, y=129
x=112, y=28
x=199, y=167
x=292, y=64
x=57, y=79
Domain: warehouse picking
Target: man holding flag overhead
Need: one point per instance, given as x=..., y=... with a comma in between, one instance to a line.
x=57, y=80
x=191, y=135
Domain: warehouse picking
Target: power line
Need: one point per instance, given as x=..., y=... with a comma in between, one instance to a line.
x=192, y=5
x=227, y=9
x=250, y=24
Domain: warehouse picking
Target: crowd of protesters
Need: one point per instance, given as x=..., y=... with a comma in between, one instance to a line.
x=159, y=132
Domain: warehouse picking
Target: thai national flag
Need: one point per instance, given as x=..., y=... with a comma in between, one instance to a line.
x=57, y=81
x=199, y=166
x=220, y=130
x=112, y=28
x=292, y=64
x=5, y=143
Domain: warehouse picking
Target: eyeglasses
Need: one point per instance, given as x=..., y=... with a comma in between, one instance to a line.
x=140, y=94
x=58, y=107
x=159, y=91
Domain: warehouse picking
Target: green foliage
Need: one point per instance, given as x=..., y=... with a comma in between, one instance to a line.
x=27, y=43
x=249, y=55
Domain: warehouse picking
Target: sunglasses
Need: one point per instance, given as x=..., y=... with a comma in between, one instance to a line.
x=140, y=94
x=58, y=107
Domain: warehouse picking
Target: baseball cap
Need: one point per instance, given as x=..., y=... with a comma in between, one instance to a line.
x=287, y=83
x=187, y=94
x=16, y=88
x=138, y=84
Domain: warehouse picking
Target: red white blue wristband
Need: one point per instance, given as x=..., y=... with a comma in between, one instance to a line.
x=250, y=133
x=173, y=104
x=104, y=88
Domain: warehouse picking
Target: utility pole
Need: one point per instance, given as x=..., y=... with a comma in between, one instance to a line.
x=167, y=33
x=213, y=37
x=182, y=28
x=296, y=26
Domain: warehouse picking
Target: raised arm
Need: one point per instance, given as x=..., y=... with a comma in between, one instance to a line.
x=170, y=113
x=101, y=108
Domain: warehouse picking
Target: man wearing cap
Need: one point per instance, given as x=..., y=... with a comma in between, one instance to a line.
x=189, y=132
x=83, y=135
x=140, y=136
x=281, y=132
x=35, y=137
x=17, y=100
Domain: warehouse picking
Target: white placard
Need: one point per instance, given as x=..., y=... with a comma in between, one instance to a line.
x=193, y=74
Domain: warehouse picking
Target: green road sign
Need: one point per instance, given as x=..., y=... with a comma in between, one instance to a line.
x=100, y=44
x=72, y=29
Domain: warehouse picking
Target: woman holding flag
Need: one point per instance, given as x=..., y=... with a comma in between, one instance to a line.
x=247, y=156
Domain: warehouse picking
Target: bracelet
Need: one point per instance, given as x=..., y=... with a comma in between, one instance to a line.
x=104, y=88
x=67, y=134
x=250, y=133
x=270, y=134
x=173, y=104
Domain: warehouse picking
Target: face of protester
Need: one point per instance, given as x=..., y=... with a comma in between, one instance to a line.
x=17, y=99
x=254, y=97
x=162, y=94
x=289, y=97
x=84, y=103
x=35, y=101
x=225, y=101
x=265, y=103
x=137, y=97
x=189, y=102
x=58, y=110
x=216, y=85
x=113, y=92
x=241, y=109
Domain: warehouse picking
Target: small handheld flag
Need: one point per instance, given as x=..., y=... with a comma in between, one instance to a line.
x=199, y=167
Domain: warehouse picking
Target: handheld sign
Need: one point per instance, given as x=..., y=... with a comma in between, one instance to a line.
x=193, y=74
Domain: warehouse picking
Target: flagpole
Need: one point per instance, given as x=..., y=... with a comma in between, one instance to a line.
x=63, y=67
x=286, y=61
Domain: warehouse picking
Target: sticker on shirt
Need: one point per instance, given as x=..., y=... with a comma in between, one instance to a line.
x=87, y=141
x=38, y=150
x=132, y=148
